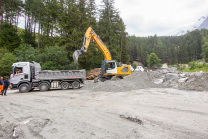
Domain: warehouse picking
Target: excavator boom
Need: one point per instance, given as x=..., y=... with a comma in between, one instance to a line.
x=88, y=35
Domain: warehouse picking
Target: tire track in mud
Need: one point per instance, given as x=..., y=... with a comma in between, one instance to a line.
x=6, y=115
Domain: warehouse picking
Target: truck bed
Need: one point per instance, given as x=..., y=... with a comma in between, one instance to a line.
x=60, y=75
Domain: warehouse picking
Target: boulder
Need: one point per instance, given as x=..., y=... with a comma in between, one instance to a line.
x=171, y=76
x=182, y=80
x=158, y=81
x=196, y=74
x=164, y=71
x=183, y=75
x=172, y=70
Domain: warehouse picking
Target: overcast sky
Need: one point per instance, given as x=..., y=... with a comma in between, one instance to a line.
x=161, y=17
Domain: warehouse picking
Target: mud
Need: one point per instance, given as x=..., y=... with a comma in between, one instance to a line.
x=146, y=105
x=133, y=119
x=144, y=113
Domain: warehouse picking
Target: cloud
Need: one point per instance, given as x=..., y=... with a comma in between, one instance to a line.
x=149, y=17
x=161, y=17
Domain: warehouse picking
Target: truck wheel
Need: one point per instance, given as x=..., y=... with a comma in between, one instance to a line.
x=43, y=87
x=76, y=85
x=24, y=88
x=64, y=85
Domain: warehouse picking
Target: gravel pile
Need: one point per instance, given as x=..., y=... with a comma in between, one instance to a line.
x=137, y=80
x=170, y=78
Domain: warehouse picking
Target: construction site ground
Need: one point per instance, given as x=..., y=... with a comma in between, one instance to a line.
x=160, y=106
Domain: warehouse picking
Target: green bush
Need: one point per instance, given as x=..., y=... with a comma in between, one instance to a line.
x=55, y=58
x=192, y=65
x=200, y=65
x=134, y=65
x=9, y=38
x=153, y=60
x=26, y=53
x=5, y=64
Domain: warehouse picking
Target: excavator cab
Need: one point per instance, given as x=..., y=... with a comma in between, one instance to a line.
x=111, y=67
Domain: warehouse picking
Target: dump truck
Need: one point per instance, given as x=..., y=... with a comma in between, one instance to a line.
x=26, y=76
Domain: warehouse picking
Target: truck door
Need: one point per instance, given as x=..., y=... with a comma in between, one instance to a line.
x=19, y=74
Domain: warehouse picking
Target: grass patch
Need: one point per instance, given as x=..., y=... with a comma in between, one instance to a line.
x=196, y=70
x=194, y=66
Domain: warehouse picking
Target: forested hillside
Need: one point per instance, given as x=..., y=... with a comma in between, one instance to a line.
x=170, y=49
x=53, y=27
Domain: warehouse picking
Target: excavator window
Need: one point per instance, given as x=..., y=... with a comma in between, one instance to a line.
x=111, y=65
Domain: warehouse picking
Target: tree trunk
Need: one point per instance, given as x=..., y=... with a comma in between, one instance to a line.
x=121, y=46
x=25, y=20
x=39, y=33
x=28, y=19
x=34, y=30
x=2, y=18
x=17, y=20
x=31, y=25
x=48, y=28
x=52, y=29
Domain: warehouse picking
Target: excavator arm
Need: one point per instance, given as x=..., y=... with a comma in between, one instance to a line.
x=88, y=35
x=109, y=67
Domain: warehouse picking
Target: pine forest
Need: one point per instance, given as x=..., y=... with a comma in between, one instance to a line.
x=54, y=29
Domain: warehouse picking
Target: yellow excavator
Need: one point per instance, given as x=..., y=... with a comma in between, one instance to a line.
x=109, y=67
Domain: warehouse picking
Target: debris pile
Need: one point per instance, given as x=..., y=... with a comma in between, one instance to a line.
x=92, y=74
x=170, y=78
x=137, y=80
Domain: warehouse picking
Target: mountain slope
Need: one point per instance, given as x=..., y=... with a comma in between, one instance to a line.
x=199, y=24
x=204, y=24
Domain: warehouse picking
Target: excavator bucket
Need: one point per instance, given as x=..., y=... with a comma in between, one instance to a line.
x=76, y=55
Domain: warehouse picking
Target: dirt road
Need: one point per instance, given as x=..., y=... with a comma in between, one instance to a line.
x=146, y=113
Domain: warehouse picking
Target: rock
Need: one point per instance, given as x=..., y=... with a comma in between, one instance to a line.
x=164, y=71
x=1, y=133
x=171, y=76
x=183, y=75
x=182, y=80
x=172, y=70
x=196, y=74
x=158, y=81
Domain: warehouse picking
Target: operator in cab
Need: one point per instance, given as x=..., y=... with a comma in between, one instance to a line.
x=19, y=71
